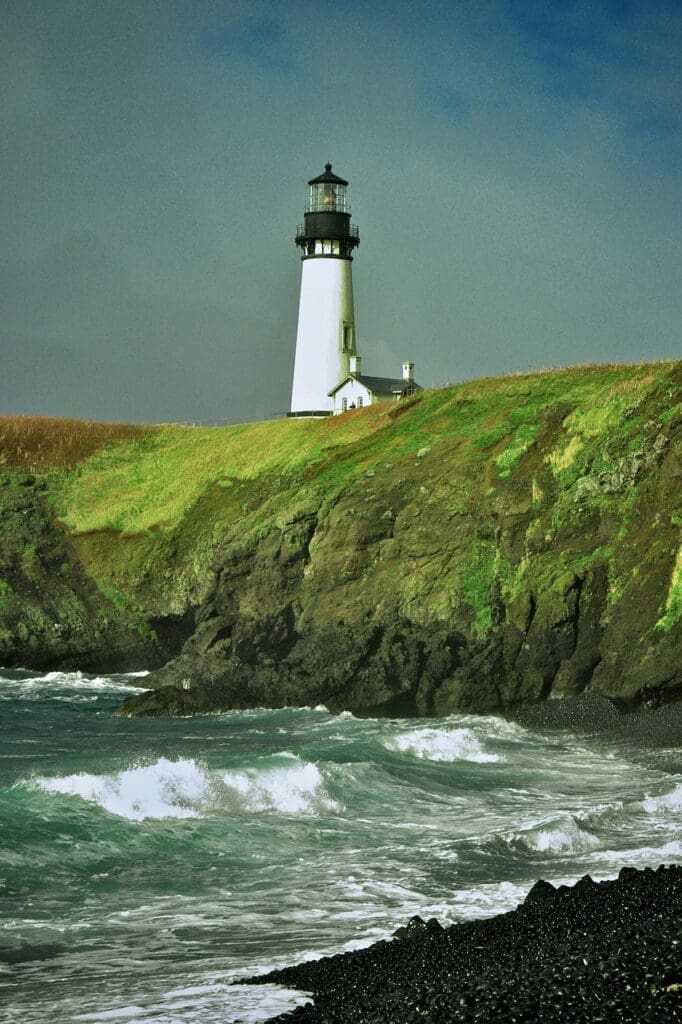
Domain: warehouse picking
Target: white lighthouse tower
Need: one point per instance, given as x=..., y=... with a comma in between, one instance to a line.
x=325, y=339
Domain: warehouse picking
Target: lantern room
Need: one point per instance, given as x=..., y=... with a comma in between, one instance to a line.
x=327, y=230
x=328, y=193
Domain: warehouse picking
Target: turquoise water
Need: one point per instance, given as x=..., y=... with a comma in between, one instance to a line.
x=144, y=864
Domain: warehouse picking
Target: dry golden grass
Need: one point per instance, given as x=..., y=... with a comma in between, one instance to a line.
x=39, y=443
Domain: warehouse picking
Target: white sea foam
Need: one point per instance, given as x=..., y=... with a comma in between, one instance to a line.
x=213, y=1001
x=492, y=725
x=82, y=698
x=666, y=802
x=165, y=789
x=185, y=789
x=59, y=677
x=557, y=837
x=484, y=900
x=599, y=813
x=643, y=856
x=291, y=787
x=58, y=685
x=441, y=745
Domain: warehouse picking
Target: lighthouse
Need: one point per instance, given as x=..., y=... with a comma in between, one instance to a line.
x=325, y=339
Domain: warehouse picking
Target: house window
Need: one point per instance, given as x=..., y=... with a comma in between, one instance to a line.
x=344, y=404
x=361, y=401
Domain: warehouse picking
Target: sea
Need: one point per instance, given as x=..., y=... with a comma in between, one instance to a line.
x=146, y=865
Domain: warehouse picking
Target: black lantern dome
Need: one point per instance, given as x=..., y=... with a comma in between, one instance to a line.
x=327, y=230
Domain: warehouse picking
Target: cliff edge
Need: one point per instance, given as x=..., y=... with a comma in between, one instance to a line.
x=472, y=548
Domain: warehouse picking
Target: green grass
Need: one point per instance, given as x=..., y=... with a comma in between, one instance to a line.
x=150, y=483
x=675, y=413
x=524, y=438
x=673, y=606
x=141, y=500
x=477, y=581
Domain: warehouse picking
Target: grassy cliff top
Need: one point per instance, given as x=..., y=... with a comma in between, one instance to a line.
x=136, y=479
x=487, y=506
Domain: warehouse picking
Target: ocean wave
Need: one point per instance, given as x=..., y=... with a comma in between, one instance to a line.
x=665, y=802
x=57, y=685
x=206, y=1000
x=600, y=814
x=296, y=787
x=185, y=789
x=486, y=899
x=441, y=744
x=641, y=856
x=77, y=680
x=558, y=836
x=165, y=789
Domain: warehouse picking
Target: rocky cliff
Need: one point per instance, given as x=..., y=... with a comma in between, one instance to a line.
x=472, y=548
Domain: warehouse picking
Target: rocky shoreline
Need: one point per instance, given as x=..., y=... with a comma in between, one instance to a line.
x=606, y=951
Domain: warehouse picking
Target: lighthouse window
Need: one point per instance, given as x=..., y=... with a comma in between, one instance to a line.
x=328, y=246
x=346, y=337
x=361, y=401
x=326, y=197
x=344, y=405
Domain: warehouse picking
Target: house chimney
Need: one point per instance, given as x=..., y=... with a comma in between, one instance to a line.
x=408, y=373
x=355, y=363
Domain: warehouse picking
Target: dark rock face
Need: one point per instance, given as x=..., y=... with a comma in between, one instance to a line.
x=415, y=591
x=542, y=894
x=53, y=614
x=605, y=951
x=370, y=670
x=304, y=618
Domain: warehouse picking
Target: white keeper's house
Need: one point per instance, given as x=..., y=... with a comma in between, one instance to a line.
x=327, y=374
x=357, y=389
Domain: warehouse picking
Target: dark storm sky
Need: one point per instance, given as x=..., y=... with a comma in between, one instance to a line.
x=514, y=171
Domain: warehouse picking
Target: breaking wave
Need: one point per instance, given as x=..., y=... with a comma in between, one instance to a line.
x=667, y=802
x=186, y=789
x=294, y=788
x=20, y=684
x=165, y=789
x=441, y=745
x=557, y=837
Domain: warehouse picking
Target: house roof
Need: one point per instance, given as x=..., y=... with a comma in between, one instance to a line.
x=378, y=385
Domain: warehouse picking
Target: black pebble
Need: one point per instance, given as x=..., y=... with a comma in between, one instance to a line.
x=607, y=951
